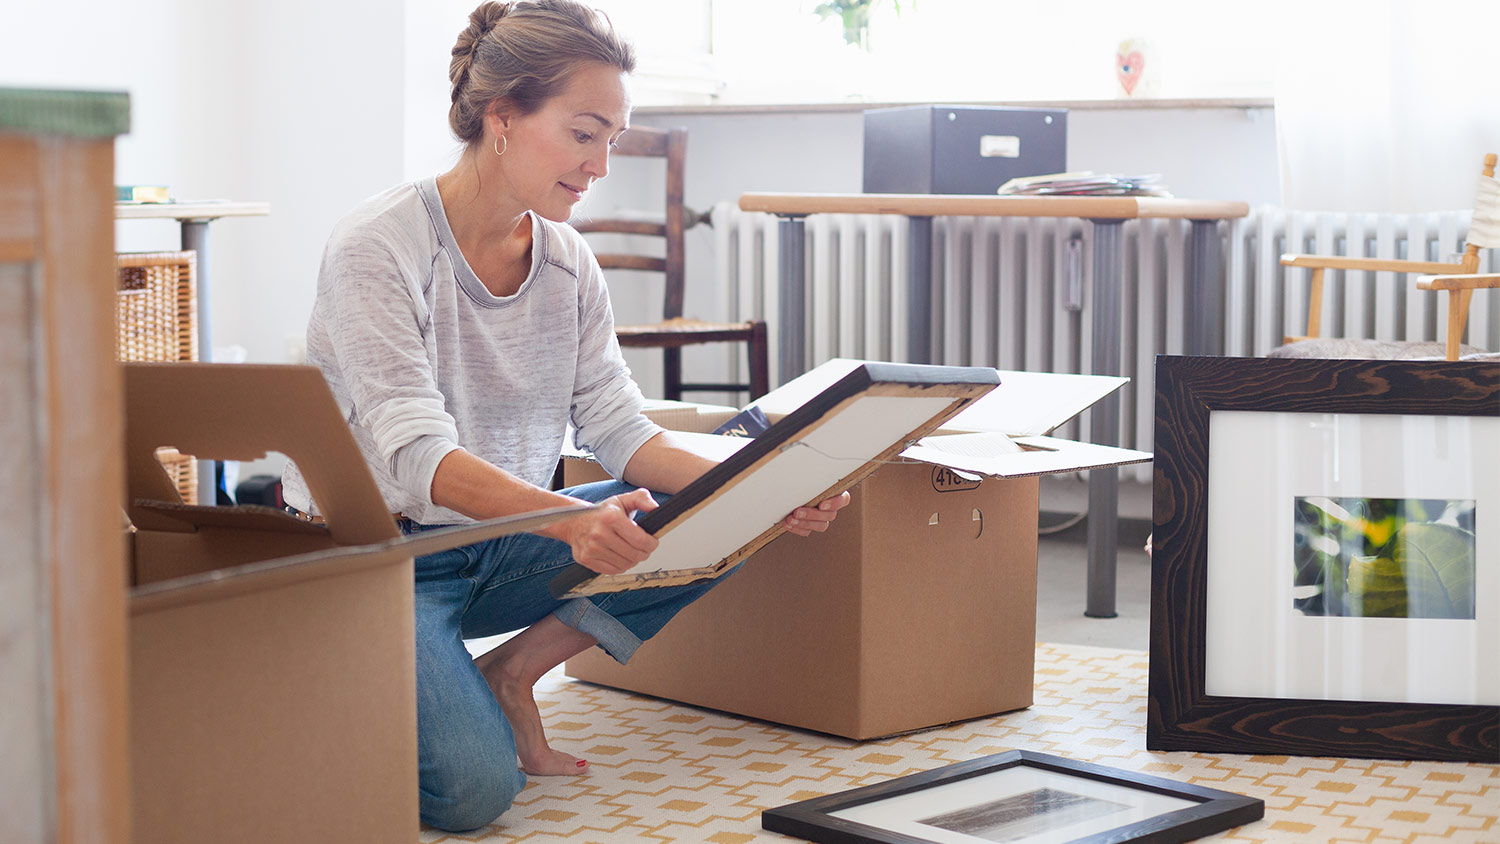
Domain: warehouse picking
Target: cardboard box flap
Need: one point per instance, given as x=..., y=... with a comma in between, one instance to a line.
x=1030, y=404
x=242, y=412
x=1025, y=403
x=978, y=454
x=270, y=574
x=243, y=516
x=686, y=416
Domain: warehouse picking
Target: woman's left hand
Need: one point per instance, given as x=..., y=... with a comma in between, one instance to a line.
x=804, y=520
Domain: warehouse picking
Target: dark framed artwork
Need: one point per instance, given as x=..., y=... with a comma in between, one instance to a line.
x=1018, y=796
x=823, y=447
x=1326, y=572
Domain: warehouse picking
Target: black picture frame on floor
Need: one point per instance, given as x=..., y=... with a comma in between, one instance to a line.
x=1017, y=796
x=1181, y=715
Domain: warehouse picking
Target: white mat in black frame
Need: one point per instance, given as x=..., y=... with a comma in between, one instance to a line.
x=1017, y=797
x=823, y=447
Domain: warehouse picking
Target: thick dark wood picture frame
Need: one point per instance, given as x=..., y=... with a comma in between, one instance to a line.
x=1181, y=715
x=813, y=820
x=961, y=384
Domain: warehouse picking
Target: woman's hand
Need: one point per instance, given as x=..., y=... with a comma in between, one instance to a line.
x=804, y=520
x=606, y=539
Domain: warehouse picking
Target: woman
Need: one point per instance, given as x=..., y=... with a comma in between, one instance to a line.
x=461, y=325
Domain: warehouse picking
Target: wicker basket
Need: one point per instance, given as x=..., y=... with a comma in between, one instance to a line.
x=157, y=320
x=157, y=306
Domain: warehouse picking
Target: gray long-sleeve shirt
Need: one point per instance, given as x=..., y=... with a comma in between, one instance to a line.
x=424, y=360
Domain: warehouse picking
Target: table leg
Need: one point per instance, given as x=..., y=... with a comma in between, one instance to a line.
x=1205, y=291
x=1104, y=484
x=195, y=237
x=792, y=234
x=919, y=290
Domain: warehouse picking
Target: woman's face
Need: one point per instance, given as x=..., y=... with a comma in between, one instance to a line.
x=553, y=155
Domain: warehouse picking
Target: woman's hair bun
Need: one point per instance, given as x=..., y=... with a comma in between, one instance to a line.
x=528, y=60
x=487, y=15
x=481, y=21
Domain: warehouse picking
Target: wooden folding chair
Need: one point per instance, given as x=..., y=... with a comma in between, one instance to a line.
x=1459, y=279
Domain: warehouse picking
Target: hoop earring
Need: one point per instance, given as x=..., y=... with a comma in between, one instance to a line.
x=496, y=146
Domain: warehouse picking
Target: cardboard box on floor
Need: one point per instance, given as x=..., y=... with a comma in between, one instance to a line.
x=272, y=681
x=916, y=608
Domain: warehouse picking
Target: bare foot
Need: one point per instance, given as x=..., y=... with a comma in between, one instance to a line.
x=511, y=670
x=533, y=754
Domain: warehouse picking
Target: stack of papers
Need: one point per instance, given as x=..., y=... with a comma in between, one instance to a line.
x=1085, y=183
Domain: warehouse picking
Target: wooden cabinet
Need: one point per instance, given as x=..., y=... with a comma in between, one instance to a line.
x=62, y=574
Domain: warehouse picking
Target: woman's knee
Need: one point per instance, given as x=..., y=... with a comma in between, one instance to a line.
x=472, y=798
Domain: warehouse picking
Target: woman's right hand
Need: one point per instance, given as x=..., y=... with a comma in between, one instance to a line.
x=606, y=539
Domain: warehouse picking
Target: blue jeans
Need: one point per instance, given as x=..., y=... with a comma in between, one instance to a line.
x=466, y=751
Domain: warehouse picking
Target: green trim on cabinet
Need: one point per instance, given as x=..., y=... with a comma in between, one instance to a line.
x=89, y=114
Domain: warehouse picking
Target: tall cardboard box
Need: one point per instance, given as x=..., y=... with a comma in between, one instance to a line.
x=916, y=608
x=272, y=674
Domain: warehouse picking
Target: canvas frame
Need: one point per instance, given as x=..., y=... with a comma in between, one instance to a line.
x=1181, y=715
x=1212, y=811
x=707, y=496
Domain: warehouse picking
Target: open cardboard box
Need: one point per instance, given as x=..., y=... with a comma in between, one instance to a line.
x=916, y=608
x=272, y=675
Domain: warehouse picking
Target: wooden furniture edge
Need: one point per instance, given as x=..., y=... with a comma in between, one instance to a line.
x=956, y=205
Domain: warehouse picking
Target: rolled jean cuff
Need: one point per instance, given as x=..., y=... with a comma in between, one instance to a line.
x=583, y=615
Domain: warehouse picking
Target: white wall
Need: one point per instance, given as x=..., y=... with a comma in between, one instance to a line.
x=431, y=28
x=982, y=50
x=294, y=103
x=314, y=105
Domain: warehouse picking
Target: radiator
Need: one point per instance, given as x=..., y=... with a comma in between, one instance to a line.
x=1014, y=292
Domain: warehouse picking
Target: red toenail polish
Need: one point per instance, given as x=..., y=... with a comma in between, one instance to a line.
x=581, y=763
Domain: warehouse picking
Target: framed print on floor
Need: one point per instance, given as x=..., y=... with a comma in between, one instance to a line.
x=1326, y=572
x=1019, y=796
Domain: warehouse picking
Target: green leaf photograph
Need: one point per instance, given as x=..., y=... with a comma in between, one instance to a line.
x=1383, y=557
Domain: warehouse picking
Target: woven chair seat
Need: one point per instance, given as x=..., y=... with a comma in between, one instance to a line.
x=682, y=331
x=1342, y=348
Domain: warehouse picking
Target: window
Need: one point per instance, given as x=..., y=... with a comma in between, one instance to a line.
x=780, y=51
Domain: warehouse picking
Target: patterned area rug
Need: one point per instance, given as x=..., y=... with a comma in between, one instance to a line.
x=663, y=772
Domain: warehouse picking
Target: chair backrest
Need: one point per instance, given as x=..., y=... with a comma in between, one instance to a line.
x=671, y=145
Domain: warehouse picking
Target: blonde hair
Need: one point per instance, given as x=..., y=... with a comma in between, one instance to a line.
x=524, y=53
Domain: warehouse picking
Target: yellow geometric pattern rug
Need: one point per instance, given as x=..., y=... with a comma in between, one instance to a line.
x=664, y=772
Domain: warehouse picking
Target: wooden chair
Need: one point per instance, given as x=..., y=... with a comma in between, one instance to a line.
x=675, y=331
x=1460, y=280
